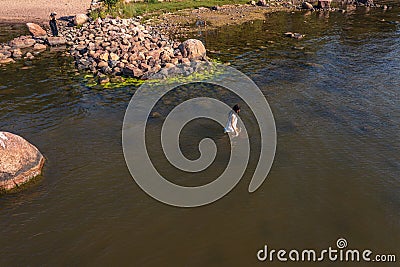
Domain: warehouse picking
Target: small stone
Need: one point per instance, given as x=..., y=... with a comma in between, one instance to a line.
x=169, y=65
x=324, y=4
x=132, y=71
x=39, y=47
x=104, y=56
x=289, y=34
x=185, y=61
x=29, y=55
x=306, y=5
x=7, y=60
x=262, y=3
x=17, y=53
x=104, y=79
x=114, y=57
x=56, y=40
x=102, y=64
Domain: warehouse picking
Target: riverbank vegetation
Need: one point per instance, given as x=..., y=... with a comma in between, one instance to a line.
x=154, y=7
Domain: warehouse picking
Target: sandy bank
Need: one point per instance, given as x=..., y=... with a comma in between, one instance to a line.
x=39, y=10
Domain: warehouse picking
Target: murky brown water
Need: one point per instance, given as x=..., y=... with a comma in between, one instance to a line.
x=336, y=172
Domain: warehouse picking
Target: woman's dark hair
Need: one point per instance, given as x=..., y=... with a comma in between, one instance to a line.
x=236, y=108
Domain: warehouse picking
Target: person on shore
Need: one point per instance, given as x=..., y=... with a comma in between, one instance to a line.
x=231, y=125
x=53, y=24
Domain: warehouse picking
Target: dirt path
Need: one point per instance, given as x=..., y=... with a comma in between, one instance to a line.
x=39, y=10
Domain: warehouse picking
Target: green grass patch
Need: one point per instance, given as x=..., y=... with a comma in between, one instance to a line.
x=154, y=7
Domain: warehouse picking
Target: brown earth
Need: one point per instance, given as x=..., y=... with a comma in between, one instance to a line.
x=39, y=10
x=184, y=20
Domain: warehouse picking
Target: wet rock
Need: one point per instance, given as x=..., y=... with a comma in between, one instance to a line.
x=22, y=42
x=56, y=41
x=262, y=3
x=17, y=53
x=7, y=60
x=102, y=64
x=104, y=56
x=38, y=47
x=20, y=161
x=324, y=4
x=298, y=36
x=132, y=71
x=29, y=56
x=193, y=49
x=104, y=79
x=114, y=57
x=365, y=2
x=36, y=30
x=306, y=5
x=80, y=19
x=5, y=54
x=185, y=61
x=294, y=35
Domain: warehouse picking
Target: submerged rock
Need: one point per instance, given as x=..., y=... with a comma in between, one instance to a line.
x=306, y=5
x=20, y=161
x=294, y=35
x=262, y=3
x=324, y=4
x=22, y=42
x=6, y=60
x=54, y=41
x=39, y=47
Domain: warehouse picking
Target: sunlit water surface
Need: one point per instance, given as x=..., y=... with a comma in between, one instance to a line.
x=335, y=96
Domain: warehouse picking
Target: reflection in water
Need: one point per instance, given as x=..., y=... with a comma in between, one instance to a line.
x=336, y=172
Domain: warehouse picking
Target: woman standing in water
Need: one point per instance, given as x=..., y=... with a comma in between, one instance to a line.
x=231, y=125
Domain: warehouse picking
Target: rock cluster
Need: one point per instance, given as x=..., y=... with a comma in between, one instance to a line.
x=21, y=47
x=126, y=47
x=108, y=47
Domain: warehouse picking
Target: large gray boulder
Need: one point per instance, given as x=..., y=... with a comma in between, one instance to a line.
x=193, y=49
x=20, y=161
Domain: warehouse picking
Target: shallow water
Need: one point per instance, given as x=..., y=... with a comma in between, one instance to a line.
x=336, y=171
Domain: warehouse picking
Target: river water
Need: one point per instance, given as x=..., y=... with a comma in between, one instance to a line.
x=336, y=101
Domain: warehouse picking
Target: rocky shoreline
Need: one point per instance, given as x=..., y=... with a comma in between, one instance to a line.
x=108, y=47
x=115, y=47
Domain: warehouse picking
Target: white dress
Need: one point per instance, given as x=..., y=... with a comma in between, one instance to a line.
x=231, y=124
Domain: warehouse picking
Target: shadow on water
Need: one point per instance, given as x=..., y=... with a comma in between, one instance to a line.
x=335, y=98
